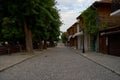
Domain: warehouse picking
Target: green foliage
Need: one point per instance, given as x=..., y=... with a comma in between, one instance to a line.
x=103, y=25
x=9, y=31
x=63, y=37
x=90, y=23
x=41, y=16
x=11, y=34
x=89, y=17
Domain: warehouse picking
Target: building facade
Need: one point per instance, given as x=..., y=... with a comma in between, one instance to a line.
x=108, y=38
x=72, y=40
x=84, y=39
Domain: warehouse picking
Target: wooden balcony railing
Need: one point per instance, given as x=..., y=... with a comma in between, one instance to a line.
x=115, y=5
x=111, y=21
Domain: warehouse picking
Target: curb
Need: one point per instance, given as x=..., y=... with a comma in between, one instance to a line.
x=25, y=59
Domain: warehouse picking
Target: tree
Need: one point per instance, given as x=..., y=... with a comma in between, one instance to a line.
x=22, y=11
x=63, y=37
x=50, y=31
x=9, y=32
x=54, y=30
x=31, y=15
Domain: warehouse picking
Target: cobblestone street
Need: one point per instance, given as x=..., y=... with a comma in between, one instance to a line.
x=59, y=63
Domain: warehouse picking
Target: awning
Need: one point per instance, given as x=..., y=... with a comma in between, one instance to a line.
x=70, y=37
x=78, y=34
x=109, y=31
x=115, y=13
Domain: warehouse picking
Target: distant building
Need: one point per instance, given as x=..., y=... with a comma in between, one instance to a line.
x=72, y=40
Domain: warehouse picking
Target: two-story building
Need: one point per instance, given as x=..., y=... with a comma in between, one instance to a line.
x=72, y=40
x=75, y=35
x=108, y=38
x=84, y=40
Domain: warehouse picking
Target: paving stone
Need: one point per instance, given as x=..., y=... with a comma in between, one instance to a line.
x=60, y=64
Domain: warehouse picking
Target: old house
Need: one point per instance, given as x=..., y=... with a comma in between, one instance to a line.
x=109, y=32
x=72, y=40
x=77, y=38
x=108, y=38
x=83, y=38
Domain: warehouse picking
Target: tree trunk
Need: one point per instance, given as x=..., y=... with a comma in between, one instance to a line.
x=28, y=38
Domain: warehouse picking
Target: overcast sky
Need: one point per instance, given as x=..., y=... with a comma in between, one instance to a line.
x=70, y=9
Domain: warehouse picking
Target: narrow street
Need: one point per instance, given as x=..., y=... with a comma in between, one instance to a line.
x=59, y=63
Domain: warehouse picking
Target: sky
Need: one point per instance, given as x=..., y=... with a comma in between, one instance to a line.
x=70, y=9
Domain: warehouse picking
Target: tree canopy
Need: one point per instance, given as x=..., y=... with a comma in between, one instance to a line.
x=63, y=37
x=39, y=19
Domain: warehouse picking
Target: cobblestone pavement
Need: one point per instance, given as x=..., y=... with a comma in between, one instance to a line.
x=58, y=63
x=10, y=60
x=109, y=61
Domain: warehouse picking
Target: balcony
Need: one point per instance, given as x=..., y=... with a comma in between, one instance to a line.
x=110, y=21
x=115, y=8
